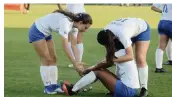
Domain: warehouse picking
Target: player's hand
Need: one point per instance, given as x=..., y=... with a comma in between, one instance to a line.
x=79, y=68
x=89, y=69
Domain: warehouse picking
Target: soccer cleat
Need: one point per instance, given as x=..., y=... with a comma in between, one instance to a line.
x=169, y=62
x=143, y=93
x=67, y=88
x=49, y=90
x=160, y=70
x=53, y=89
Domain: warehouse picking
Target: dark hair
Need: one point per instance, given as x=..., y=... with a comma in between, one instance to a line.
x=84, y=17
x=106, y=38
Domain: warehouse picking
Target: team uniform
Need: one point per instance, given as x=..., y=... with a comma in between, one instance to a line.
x=164, y=28
x=54, y=22
x=127, y=72
x=165, y=23
x=42, y=28
x=129, y=30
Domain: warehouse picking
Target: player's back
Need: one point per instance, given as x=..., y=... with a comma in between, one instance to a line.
x=51, y=22
x=130, y=27
x=127, y=71
x=167, y=12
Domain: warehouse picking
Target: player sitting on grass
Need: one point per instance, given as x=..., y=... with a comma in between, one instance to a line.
x=124, y=84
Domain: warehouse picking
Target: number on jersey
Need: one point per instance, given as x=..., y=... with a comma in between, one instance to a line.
x=165, y=10
x=120, y=21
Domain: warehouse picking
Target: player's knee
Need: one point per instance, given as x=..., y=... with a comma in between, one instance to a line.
x=54, y=59
x=46, y=59
x=162, y=46
x=141, y=61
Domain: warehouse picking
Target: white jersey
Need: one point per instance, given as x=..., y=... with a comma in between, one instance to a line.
x=127, y=71
x=54, y=22
x=76, y=8
x=127, y=28
x=166, y=11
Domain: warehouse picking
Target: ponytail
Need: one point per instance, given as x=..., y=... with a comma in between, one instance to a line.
x=84, y=17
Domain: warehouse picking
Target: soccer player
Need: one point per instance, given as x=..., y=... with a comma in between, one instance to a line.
x=124, y=84
x=165, y=33
x=76, y=8
x=40, y=35
x=128, y=31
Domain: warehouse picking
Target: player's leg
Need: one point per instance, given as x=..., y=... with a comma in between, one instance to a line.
x=80, y=45
x=91, y=77
x=39, y=43
x=53, y=69
x=169, y=53
x=159, y=53
x=163, y=32
x=115, y=86
x=42, y=51
x=141, y=47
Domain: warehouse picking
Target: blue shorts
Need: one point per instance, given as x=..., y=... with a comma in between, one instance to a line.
x=165, y=27
x=36, y=35
x=121, y=90
x=144, y=36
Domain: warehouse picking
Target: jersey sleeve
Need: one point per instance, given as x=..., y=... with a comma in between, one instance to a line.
x=65, y=27
x=126, y=41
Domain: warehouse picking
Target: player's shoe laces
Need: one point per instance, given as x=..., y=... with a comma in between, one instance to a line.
x=143, y=93
x=53, y=89
x=160, y=70
x=169, y=62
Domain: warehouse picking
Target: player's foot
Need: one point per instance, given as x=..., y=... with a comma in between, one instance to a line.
x=160, y=70
x=169, y=62
x=53, y=89
x=143, y=93
x=70, y=65
x=67, y=88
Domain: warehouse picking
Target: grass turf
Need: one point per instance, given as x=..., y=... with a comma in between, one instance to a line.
x=22, y=78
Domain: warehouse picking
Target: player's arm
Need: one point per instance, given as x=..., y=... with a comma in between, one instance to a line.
x=156, y=9
x=75, y=50
x=127, y=43
x=127, y=57
x=60, y=6
x=64, y=30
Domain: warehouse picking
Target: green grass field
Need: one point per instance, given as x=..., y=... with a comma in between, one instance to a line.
x=22, y=77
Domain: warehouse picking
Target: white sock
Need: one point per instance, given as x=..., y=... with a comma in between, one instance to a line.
x=53, y=71
x=84, y=81
x=81, y=51
x=45, y=75
x=169, y=50
x=159, y=58
x=143, y=76
x=70, y=48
